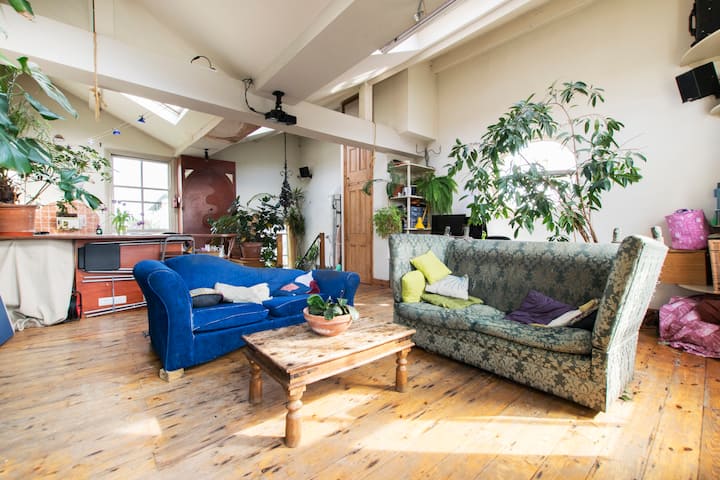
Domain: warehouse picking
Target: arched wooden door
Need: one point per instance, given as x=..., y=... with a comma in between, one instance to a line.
x=208, y=189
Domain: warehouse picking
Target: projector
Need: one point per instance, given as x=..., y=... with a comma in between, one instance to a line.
x=277, y=114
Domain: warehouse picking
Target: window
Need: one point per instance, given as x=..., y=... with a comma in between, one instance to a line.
x=141, y=187
x=553, y=156
x=170, y=113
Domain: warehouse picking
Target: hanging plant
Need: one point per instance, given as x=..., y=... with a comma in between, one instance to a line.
x=387, y=220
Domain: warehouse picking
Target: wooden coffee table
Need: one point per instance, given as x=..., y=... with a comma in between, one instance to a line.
x=296, y=357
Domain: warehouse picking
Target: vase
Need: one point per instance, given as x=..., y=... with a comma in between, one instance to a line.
x=327, y=328
x=17, y=219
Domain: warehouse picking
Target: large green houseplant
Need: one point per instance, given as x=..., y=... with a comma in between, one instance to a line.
x=258, y=221
x=504, y=184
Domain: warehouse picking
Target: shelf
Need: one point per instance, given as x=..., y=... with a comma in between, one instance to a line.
x=405, y=197
x=700, y=288
x=413, y=166
x=705, y=49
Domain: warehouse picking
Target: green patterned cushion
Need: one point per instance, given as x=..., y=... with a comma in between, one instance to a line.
x=449, y=302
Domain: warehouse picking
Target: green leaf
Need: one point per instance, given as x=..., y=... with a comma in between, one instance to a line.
x=50, y=90
x=22, y=7
x=41, y=109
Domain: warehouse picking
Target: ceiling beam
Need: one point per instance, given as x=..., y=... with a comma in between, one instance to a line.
x=65, y=51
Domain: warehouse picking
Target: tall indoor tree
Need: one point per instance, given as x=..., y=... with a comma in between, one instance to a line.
x=504, y=183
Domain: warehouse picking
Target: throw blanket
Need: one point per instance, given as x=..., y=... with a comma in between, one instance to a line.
x=682, y=327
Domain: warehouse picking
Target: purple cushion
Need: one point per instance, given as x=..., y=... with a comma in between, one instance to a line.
x=538, y=308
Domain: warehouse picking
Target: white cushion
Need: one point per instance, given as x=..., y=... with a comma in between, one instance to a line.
x=255, y=294
x=450, y=286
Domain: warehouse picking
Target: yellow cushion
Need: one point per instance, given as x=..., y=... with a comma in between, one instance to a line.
x=431, y=267
x=413, y=285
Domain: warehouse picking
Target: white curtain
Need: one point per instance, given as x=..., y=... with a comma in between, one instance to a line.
x=36, y=280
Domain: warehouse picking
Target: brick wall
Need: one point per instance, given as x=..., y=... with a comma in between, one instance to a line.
x=46, y=219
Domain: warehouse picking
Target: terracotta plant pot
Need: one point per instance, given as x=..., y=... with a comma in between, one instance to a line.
x=17, y=219
x=251, y=249
x=327, y=328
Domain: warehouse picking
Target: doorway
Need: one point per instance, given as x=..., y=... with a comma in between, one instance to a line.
x=358, y=228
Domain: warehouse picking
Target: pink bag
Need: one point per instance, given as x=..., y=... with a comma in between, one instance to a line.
x=688, y=229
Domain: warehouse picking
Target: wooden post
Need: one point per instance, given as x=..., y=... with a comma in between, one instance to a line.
x=401, y=371
x=255, y=394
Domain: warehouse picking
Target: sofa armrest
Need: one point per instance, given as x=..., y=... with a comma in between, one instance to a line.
x=169, y=312
x=338, y=284
x=629, y=289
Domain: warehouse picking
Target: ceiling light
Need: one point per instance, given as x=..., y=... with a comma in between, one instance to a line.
x=420, y=21
x=277, y=114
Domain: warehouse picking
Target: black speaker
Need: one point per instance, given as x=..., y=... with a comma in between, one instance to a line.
x=305, y=172
x=704, y=18
x=698, y=83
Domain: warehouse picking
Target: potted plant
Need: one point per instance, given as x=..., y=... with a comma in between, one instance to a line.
x=120, y=221
x=329, y=317
x=387, y=220
x=28, y=158
x=437, y=191
x=504, y=184
x=256, y=224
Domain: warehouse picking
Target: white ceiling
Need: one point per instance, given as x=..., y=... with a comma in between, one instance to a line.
x=314, y=50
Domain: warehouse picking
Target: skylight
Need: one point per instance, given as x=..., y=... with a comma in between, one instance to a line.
x=260, y=131
x=169, y=113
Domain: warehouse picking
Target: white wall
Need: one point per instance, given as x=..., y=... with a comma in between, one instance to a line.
x=632, y=50
x=325, y=162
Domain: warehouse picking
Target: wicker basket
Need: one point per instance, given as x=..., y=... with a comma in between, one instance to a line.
x=714, y=251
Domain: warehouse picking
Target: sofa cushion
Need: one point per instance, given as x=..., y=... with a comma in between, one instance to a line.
x=413, y=285
x=430, y=266
x=490, y=321
x=205, y=297
x=450, y=286
x=284, y=306
x=449, y=302
x=538, y=308
x=227, y=315
x=236, y=294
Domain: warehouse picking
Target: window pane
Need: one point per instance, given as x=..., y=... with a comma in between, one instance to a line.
x=155, y=195
x=126, y=171
x=124, y=194
x=155, y=175
x=156, y=216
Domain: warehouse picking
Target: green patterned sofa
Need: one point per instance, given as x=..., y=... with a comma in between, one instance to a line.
x=590, y=368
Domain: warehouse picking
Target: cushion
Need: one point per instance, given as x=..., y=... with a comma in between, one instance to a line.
x=205, y=297
x=431, y=266
x=538, y=308
x=227, y=315
x=450, y=286
x=413, y=285
x=305, y=279
x=285, y=306
x=255, y=294
x=449, y=302
x=587, y=323
x=573, y=316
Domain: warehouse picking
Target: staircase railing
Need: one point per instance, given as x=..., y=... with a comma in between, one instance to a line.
x=315, y=252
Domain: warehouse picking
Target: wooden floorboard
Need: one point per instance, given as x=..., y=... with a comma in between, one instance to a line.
x=84, y=400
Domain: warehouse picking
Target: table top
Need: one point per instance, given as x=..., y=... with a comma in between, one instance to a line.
x=297, y=350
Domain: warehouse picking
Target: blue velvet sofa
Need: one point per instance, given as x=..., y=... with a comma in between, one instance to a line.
x=588, y=367
x=184, y=336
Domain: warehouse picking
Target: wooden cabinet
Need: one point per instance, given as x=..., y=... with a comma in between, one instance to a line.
x=413, y=205
x=106, y=291
x=685, y=267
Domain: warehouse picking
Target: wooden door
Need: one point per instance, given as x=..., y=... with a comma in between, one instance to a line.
x=208, y=189
x=357, y=207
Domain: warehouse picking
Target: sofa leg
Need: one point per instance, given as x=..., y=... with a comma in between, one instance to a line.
x=172, y=375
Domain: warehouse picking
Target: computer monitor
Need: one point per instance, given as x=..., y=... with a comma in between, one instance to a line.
x=457, y=223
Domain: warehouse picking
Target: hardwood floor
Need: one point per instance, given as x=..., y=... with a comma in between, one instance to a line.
x=83, y=400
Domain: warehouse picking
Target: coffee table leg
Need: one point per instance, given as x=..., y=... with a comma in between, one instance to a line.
x=255, y=395
x=401, y=370
x=293, y=419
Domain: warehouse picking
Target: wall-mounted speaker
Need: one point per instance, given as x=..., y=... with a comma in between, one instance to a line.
x=704, y=18
x=698, y=83
x=305, y=172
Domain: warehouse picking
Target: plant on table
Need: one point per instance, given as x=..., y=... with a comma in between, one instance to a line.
x=120, y=221
x=505, y=184
x=330, y=308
